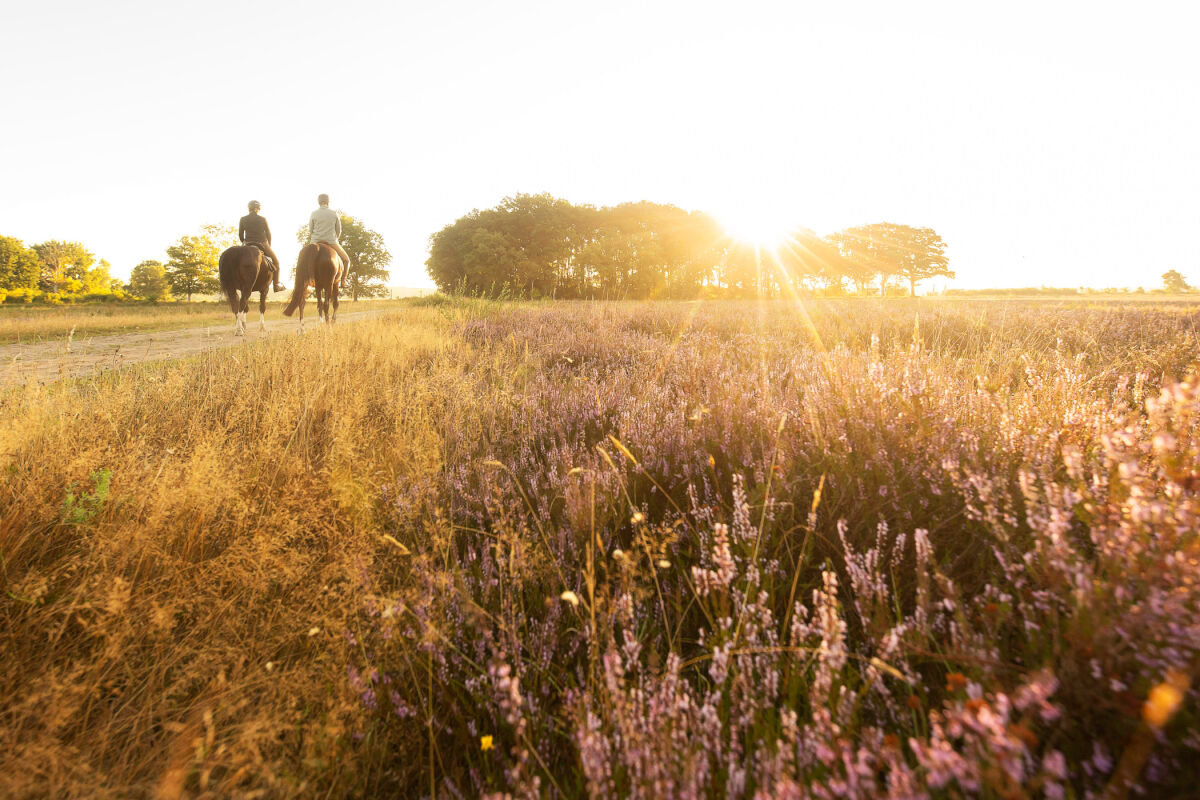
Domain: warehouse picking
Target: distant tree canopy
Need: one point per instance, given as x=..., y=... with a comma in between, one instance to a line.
x=192, y=268
x=64, y=266
x=369, y=257
x=20, y=267
x=99, y=279
x=148, y=281
x=539, y=246
x=1174, y=282
x=53, y=271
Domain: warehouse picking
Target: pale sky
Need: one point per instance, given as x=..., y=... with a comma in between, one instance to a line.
x=1049, y=143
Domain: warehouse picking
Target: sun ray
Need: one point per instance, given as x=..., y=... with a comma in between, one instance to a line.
x=762, y=228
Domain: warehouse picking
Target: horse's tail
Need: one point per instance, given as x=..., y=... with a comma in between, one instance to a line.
x=304, y=273
x=227, y=270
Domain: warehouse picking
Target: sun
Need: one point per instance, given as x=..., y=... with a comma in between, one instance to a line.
x=765, y=228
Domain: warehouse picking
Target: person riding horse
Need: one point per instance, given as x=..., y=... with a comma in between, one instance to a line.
x=253, y=229
x=325, y=227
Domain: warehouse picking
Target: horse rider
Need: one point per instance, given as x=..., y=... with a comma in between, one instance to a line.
x=254, y=230
x=325, y=227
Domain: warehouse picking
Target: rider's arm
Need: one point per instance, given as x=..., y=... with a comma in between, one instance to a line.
x=337, y=225
x=312, y=223
x=242, y=230
x=267, y=228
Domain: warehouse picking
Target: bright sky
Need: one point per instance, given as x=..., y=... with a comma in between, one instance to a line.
x=1049, y=143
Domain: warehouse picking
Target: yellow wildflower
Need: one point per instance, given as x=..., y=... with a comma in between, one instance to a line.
x=485, y=743
x=1164, y=699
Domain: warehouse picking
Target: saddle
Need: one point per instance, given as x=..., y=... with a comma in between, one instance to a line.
x=258, y=246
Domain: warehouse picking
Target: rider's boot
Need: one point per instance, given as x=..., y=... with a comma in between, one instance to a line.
x=277, y=286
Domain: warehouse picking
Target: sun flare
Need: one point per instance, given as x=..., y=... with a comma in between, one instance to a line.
x=766, y=229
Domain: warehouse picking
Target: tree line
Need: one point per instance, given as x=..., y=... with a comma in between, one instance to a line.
x=59, y=271
x=52, y=270
x=543, y=246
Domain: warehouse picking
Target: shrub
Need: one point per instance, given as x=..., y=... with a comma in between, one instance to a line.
x=22, y=295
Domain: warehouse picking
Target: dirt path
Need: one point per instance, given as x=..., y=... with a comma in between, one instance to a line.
x=49, y=361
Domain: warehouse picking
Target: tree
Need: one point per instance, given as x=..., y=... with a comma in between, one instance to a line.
x=855, y=256
x=192, y=268
x=64, y=266
x=810, y=260
x=369, y=257
x=99, y=279
x=921, y=254
x=20, y=266
x=886, y=250
x=148, y=280
x=1174, y=282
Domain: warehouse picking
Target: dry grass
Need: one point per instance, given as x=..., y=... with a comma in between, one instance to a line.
x=194, y=553
x=192, y=620
x=32, y=323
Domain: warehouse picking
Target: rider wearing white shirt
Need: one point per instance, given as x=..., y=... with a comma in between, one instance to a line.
x=325, y=226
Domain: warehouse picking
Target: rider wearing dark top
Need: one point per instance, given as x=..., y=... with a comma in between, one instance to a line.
x=253, y=229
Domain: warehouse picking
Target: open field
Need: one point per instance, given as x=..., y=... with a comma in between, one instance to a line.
x=835, y=549
x=37, y=323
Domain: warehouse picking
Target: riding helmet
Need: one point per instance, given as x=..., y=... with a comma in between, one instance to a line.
x=255, y=205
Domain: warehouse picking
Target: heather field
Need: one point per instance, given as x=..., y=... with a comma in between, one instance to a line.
x=830, y=549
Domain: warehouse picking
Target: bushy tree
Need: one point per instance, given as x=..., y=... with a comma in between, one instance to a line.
x=64, y=266
x=369, y=259
x=539, y=245
x=192, y=268
x=921, y=254
x=1174, y=282
x=99, y=279
x=148, y=281
x=20, y=266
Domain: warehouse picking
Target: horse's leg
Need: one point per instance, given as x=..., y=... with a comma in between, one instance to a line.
x=262, y=310
x=233, y=305
x=335, y=302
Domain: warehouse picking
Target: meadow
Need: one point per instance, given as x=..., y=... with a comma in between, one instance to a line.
x=934, y=548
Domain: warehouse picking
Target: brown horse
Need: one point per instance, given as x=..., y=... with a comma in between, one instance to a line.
x=321, y=267
x=244, y=270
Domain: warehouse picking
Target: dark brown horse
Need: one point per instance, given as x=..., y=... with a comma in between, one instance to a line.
x=321, y=267
x=245, y=270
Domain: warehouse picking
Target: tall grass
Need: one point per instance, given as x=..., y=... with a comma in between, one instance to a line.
x=730, y=549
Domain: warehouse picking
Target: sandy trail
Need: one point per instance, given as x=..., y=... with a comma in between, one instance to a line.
x=51, y=360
